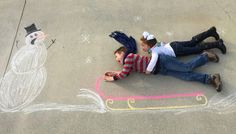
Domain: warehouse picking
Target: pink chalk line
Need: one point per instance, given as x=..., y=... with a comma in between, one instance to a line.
x=100, y=92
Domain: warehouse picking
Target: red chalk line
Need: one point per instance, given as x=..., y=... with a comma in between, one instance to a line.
x=157, y=97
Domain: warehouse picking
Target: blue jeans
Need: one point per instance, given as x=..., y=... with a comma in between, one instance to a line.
x=171, y=66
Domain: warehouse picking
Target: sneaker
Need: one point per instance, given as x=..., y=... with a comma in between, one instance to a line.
x=216, y=82
x=211, y=56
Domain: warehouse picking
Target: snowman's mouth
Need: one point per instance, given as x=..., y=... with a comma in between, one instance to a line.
x=32, y=42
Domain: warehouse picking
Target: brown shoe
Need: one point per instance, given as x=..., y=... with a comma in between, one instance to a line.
x=211, y=56
x=216, y=82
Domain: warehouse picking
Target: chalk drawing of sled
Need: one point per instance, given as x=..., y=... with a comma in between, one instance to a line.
x=132, y=102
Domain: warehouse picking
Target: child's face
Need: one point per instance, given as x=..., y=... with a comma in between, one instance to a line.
x=144, y=47
x=120, y=57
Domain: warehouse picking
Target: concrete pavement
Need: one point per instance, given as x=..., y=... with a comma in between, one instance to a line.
x=83, y=51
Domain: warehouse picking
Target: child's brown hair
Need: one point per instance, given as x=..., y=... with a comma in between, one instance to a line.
x=150, y=43
x=119, y=50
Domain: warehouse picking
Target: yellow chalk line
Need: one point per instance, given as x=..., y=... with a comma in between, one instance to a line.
x=132, y=101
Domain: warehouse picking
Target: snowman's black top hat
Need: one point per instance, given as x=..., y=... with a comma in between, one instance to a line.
x=30, y=29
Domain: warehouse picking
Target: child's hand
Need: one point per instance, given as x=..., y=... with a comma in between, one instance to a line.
x=147, y=72
x=110, y=74
x=108, y=78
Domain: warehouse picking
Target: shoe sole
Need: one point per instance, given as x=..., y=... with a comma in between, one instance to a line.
x=223, y=46
x=216, y=56
x=216, y=36
x=219, y=86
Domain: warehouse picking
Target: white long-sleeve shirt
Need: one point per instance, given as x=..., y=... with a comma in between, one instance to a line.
x=156, y=50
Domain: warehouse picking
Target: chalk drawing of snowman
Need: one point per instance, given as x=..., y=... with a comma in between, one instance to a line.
x=27, y=76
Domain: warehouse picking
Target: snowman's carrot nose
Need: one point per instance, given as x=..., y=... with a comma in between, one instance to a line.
x=42, y=36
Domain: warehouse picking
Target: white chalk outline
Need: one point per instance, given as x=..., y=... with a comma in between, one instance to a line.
x=97, y=104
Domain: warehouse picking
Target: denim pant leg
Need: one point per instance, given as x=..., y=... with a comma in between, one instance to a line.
x=172, y=64
x=185, y=48
x=189, y=76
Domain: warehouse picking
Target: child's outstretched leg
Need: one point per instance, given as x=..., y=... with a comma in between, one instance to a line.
x=171, y=63
x=209, y=45
x=213, y=80
x=209, y=33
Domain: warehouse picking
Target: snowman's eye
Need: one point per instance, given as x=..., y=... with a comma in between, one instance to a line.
x=31, y=36
x=35, y=34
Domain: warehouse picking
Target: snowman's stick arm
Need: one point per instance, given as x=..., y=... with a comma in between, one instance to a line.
x=52, y=42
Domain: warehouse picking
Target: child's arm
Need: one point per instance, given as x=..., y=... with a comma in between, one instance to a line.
x=152, y=62
x=127, y=68
x=125, y=71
